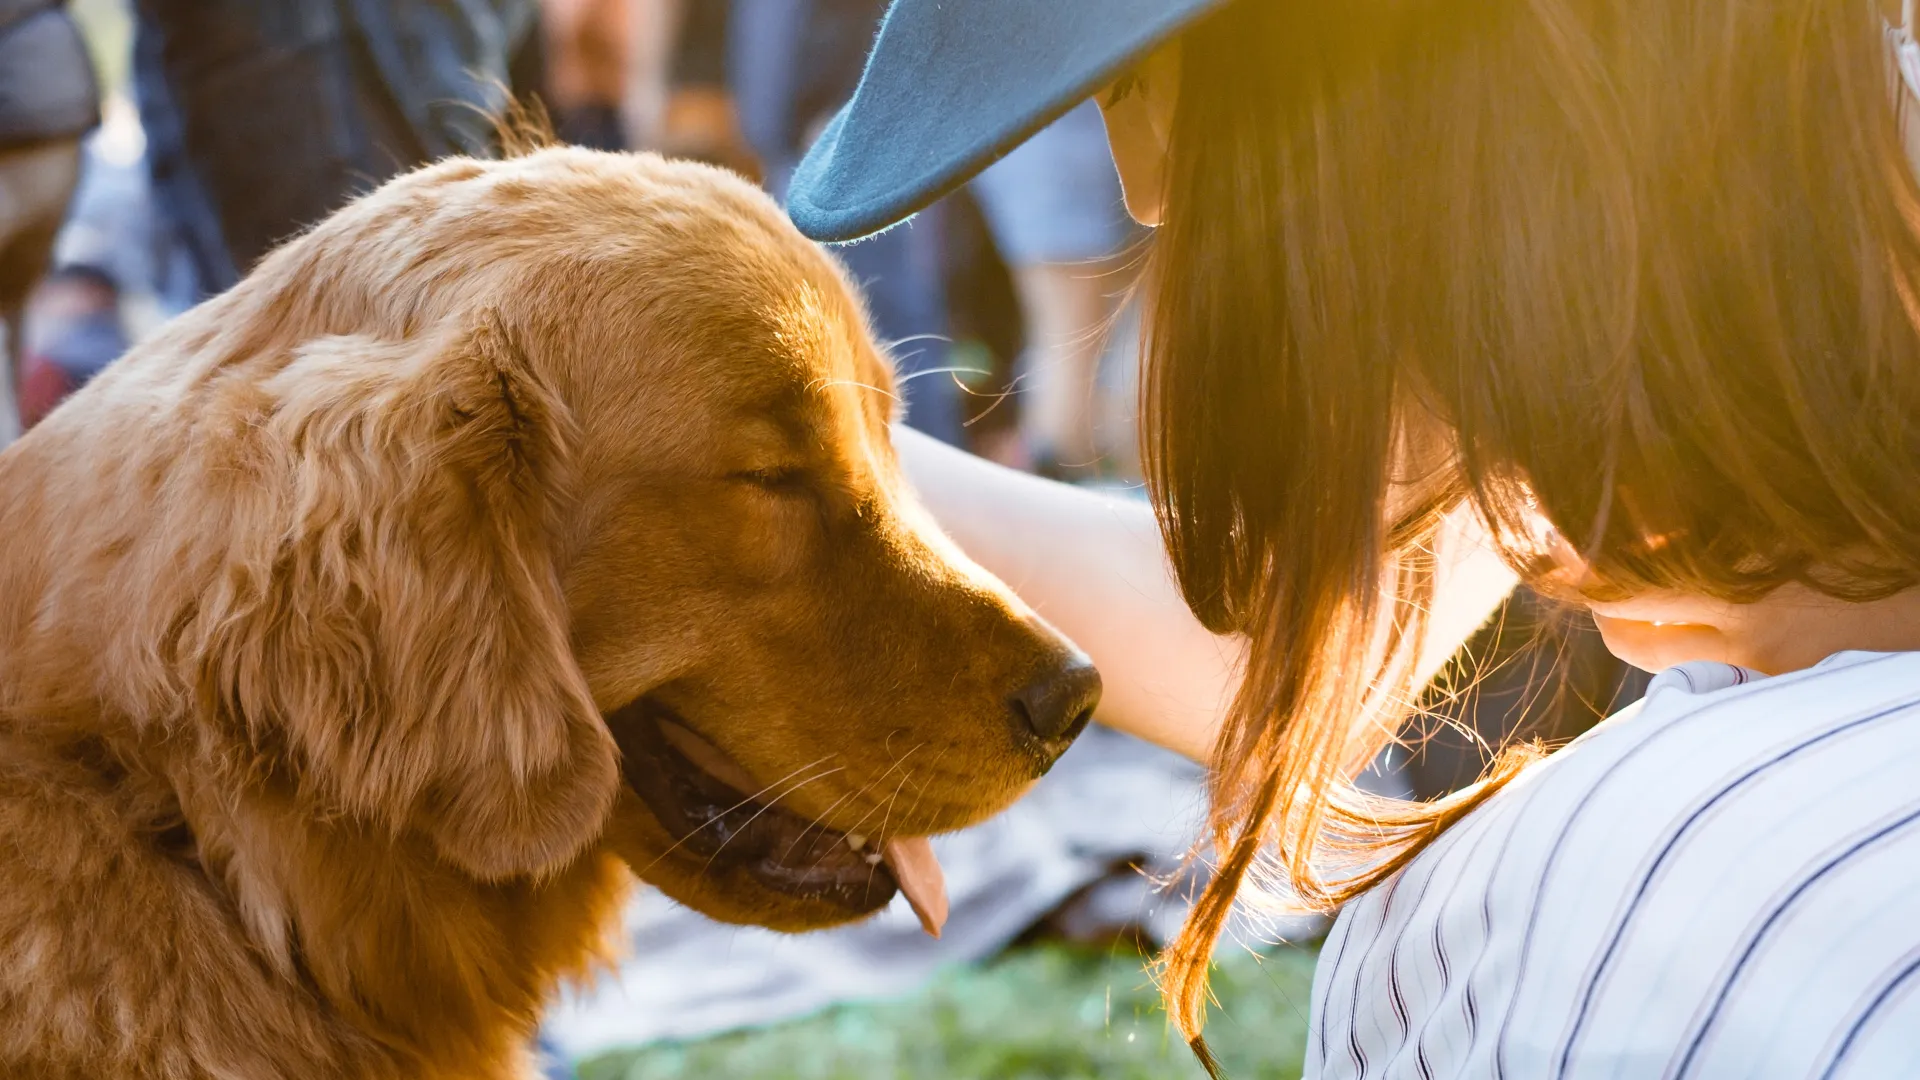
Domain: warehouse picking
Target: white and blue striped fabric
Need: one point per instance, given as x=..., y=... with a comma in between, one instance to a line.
x=1720, y=881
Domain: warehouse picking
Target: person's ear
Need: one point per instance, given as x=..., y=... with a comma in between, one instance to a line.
x=394, y=632
x=1138, y=109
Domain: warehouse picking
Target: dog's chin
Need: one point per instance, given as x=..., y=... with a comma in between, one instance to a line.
x=726, y=895
x=725, y=852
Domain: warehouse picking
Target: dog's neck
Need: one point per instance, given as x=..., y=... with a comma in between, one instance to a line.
x=385, y=931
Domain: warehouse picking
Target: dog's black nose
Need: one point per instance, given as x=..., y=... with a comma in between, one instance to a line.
x=1057, y=705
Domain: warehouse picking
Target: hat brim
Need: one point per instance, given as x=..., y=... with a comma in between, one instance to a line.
x=952, y=87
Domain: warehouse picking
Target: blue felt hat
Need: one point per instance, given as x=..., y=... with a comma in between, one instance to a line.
x=952, y=86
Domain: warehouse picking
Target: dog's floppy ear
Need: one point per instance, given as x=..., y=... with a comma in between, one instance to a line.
x=405, y=651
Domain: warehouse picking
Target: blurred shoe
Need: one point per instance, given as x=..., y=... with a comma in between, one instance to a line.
x=43, y=385
x=72, y=331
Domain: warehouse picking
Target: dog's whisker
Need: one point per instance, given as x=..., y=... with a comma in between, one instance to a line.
x=999, y=396
x=675, y=846
x=768, y=805
x=851, y=832
x=822, y=760
x=860, y=825
x=886, y=808
x=920, y=790
x=822, y=384
x=893, y=800
x=885, y=820
x=919, y=793
x=816, y=823
x=820, y=821
x=912, y=375
x=932, y=769
x=911, y=338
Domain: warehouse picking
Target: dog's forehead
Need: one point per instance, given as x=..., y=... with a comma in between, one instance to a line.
x=827, y=364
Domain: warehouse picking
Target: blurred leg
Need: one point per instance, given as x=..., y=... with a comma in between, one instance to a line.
x=1068, y=309
x=73, y=331
x=11, y=423
x=236, y=181
x=35, y=184
x=1055, y=209
x=183, y=210
x=760, y=63
x=648, y=51
x=902, y=276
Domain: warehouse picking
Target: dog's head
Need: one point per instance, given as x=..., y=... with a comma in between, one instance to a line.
x=566, y=511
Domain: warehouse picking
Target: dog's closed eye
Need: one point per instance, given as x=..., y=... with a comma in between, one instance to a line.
x=779, y=479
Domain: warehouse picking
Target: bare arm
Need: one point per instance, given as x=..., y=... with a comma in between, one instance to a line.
x=1093, y=565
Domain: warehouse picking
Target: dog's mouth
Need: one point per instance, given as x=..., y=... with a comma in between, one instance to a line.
x=712, y=808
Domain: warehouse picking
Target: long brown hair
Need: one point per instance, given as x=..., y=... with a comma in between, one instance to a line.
x=1648, y=267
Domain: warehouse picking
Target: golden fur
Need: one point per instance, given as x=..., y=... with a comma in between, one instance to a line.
x=313, y=606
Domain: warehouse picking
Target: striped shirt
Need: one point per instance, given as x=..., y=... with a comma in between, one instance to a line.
x=1720, y=881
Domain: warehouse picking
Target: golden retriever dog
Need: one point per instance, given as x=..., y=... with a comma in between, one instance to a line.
x=525, y=527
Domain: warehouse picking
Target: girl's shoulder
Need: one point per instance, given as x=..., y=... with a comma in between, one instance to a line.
x=1678, y=881
x=1714, y=760
x=1703, y=724
x=1711, y=751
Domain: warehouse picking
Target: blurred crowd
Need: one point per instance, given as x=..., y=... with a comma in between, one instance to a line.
x=152, y=150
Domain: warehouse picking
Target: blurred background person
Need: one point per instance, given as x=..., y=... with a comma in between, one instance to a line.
x=49, y=98
x=1058, y=221
x=587, y=43
x=644, y=75
x=697, y=116
x=72, y=328
x=114, y=277
x=289, y=109
x=790, y=65
x=263, y=118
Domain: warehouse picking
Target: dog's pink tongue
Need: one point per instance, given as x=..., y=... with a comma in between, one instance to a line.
x=914, y=866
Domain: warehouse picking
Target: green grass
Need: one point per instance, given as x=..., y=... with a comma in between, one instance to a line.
x=1047, y=1013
